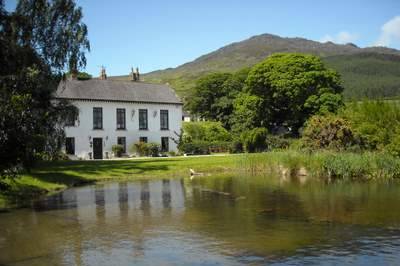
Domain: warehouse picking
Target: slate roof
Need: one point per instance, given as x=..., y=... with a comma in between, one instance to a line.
x=112, y=90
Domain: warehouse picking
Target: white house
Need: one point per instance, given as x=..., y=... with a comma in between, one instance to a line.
x=119, y=112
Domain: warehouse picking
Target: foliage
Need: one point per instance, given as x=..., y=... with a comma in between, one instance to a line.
x=247, y=112
x=117, y=149
x=254, y=140
x=154, y=149
x=236, y=146
x=195, y=147
x=213, y=95
x=372, y=75
x=204, y=131
x=328, y=132
x=84, y=76
x=274, y=142
x=141, y=148
x=375, y=123
x=287, y=83
x=38, y=41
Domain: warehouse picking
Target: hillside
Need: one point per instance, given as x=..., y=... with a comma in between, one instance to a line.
x=372, y=72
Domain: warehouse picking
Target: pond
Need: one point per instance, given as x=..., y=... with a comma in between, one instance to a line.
x=221, y=220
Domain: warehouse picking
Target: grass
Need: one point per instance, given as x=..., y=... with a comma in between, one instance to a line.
x=343, y=165
x=54, y=176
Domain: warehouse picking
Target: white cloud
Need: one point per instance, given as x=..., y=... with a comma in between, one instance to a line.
x=390, y=32
x=342, y=37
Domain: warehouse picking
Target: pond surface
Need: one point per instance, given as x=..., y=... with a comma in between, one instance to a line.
x=222, y=220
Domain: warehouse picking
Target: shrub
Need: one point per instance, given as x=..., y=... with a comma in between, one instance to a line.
x=154, y=149
x=197, y=147
x=205, y=131
x=236, y=146
x=394, y=147
x=254, y=140
x=171, y=154
x=117, y=150
x=375, y=123
x=140, y=148
x=327, y=132
x=276, y=142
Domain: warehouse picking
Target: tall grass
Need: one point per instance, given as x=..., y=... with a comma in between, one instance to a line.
x=350, y=166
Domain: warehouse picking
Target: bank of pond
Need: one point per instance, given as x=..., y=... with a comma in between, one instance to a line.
x=49, y=177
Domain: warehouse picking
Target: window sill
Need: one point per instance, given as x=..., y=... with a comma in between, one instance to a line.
x=121, y=129
x=164, y=129
x=98, y=129
x=143, y=129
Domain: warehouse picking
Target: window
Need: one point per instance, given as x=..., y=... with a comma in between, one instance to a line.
x=70, y=145
x=164, y=144
x=120, y=118
x=122, y=141
x=143, y=119
x=143, y=139
x=97, y=118
x=164, y=119
x=71, y=118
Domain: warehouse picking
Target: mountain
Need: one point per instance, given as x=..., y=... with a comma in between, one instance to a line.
x=366, y=72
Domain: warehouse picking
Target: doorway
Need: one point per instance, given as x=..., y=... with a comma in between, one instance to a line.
x=97, y=148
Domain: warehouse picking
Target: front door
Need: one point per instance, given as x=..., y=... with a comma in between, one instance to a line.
x=97, y=148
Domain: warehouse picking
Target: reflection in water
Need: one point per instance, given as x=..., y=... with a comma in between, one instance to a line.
x=214, y=220
x=166, y=193
x=100, y=203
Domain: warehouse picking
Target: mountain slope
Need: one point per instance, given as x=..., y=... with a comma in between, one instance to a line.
x=372, y=72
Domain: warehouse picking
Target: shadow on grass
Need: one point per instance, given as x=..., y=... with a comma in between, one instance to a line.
x=72, y=173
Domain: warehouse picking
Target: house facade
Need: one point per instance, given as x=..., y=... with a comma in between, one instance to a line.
x=119, y=112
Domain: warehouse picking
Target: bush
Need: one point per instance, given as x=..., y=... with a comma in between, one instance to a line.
x=277, y=142
x=254, y=140
x=328, y=132
x=375, y=123
x=117, y=150
x=153, y=149
x=205, y=131
x=140, y=148
x=198, y=147
x=236, y=146
x=171, y=154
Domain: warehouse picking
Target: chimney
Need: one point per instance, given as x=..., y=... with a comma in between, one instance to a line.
x=133, y=75
x=103, y=74
x=137, y=74
x=73, y=74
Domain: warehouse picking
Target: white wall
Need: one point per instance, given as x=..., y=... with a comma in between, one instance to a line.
x=84, y=126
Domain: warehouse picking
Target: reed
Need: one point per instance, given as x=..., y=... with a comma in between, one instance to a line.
x=343, y=165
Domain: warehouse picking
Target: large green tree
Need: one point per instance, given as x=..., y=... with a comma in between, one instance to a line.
x=38, y=41
x=214, y=95
x=293, y=87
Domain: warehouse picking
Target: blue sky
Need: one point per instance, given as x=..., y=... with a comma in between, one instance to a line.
x=160, y=34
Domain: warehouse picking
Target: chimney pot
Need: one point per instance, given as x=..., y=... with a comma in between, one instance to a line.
x=103, y=74
x=137, y=74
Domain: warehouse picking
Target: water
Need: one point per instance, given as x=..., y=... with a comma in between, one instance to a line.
x=224, y=220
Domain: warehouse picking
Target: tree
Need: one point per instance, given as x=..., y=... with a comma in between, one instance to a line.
x=293, y=87
x=254, y=140
x=247, y=113
x=214, y=95
x=37, y=41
